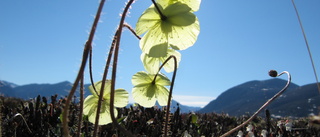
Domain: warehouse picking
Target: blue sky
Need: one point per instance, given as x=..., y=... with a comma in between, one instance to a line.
x=239, y=41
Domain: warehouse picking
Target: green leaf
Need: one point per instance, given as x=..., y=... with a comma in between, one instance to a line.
x=119, y=120
x=194, y=118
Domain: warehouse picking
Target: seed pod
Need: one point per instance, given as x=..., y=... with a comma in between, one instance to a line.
x=273, y=73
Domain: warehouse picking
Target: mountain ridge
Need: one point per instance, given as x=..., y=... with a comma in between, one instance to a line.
x=250, y=96
x=61, y=88
x=297, y=101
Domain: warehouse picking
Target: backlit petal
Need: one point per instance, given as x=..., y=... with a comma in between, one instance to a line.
x=121, y=98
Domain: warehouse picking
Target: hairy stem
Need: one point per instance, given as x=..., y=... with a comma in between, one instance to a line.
x=132, y=30
x=90, y=72
x=86, y=51
x=262, y=107
x=307, y=45
x=106, y=70
x=114, y=69
x=104, y=77
x=171, y=89
x=81, y=108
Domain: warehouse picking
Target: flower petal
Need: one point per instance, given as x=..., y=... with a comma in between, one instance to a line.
x=141, y=79
x=89, y=103
x=145, y=92
x=193, y=4
x=147, y=20
x=121, y=98
x=183, y=37
x=169, y=66
x=162, y=80
x=105, y=116
x=163, y=3
x=162, y=95
x=151, y=64
x=155, y=37
x=106, y=92
x=144, y=95
x=90, y=109
x=185, y=19
x=92, y=90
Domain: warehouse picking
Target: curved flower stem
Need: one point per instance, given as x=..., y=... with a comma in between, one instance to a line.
x=132, y=30
x=163, y=17
x=114, y=69
x=307, y=45
x=171, y=89
x=90, y=72
x=104, y=77
x=263, y=106
x=81, y=108
x=24, y=120
x=86, y=51
x=106, y=70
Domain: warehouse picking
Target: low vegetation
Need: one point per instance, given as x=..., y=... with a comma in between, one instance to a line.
x=41, y=117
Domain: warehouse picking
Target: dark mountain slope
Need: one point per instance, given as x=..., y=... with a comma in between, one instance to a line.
x=247, y=97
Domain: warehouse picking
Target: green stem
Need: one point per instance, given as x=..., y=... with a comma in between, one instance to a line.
x=86, y=51
x=262, y=107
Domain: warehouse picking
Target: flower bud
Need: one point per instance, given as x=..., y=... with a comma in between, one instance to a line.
x=273, y=73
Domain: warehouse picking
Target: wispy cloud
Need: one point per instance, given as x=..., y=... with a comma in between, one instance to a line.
x=195, y=101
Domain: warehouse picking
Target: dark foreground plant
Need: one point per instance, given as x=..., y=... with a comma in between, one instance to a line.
x=139, y=121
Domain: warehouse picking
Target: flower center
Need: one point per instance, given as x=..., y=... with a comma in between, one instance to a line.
x=163, y=17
